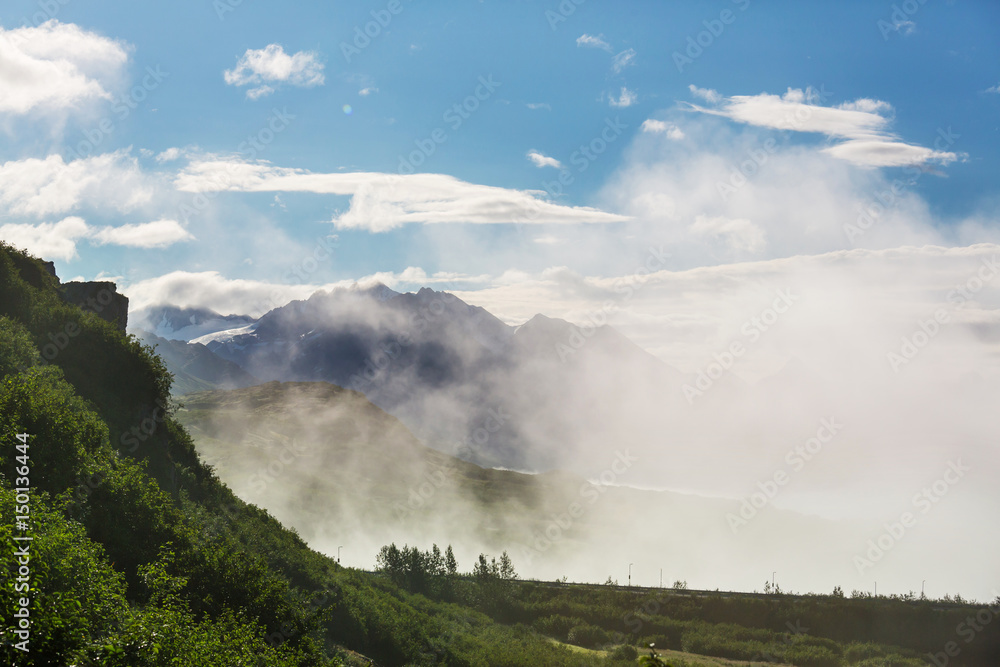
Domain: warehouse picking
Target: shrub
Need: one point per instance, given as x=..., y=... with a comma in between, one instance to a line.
x=625, y=652
x=811, y=656
x=587, y=636
x=556, y=625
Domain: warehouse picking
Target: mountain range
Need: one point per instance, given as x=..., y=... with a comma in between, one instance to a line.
x=520, y=397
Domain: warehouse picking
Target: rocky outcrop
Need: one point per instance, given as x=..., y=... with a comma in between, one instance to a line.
x=101, y=298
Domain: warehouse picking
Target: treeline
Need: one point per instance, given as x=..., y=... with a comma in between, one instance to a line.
x=489, y=587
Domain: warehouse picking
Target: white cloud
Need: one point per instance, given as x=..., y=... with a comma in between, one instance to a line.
x=863, y=123
x=707, y=94
x=792, y=111
x=865, y=104
x=626, y=99
x=261, y=67
x=548, y=239
x=905, y=27
x=169, y=155
x=50, y=240
x=623, y=60
x=669, y=130
x=879, y=153
x=540, y=160
x=739, y=235
x=995, y=89
x=259, y=92
x=380, y=202
x=156, y=234
x=365, y=92
x=539, y=105
x=49, y=186
x=58, y=240
x=209, y=289
x=57, y=66
x=593, y=41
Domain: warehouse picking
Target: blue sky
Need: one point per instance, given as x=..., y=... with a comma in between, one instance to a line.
x=557, y=82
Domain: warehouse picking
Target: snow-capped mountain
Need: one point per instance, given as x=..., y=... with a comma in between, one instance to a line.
x=187, y=324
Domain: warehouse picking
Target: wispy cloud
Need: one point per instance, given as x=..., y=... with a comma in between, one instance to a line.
x=539, y=105
x=540, y=160
x=706, y=94
x=626, y=99
x=669, y=130
x=623, y=60
x=593, y=41
x=995, y=89
x=380, y=202
x=271, y=65
x=169, y=155
x=862, y=124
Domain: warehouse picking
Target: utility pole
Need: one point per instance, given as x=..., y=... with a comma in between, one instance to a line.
x=772, y=580
x=876, y=589
x=922, y=588
x=338, y=554
x=630, y=574
x=661, y=577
